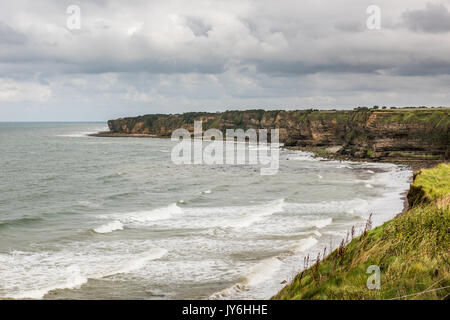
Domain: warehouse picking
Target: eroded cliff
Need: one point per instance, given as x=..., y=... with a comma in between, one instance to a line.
x=376, y=134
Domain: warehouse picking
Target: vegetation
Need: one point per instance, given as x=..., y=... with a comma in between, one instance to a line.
x=409, y=155
x=412, y=251
x=436, y=118
x=409, y=133
x=431, y=186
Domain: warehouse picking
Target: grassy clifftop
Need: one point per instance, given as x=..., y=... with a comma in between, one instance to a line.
x=412, y=251
x=431, y=186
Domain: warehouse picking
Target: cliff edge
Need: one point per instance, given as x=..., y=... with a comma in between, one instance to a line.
x=414, y=134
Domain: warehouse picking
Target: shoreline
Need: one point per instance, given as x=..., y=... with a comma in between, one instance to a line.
x=413, y=165
x=330, y=155
x=108, y=134
x=410, y=238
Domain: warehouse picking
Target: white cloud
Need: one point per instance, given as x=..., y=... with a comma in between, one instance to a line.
x=16, y=91
x=176, y=55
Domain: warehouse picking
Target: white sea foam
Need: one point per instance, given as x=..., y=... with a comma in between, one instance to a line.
x=303, y=156
x=263, y=271
x=338, y=234
x=305, y=244
x=393, y=184
x=257, y=274
x=209, y=238
x=135, y=263
x=317, y=233
x=73, y=281
x=80, y=134
x=345, y=166
x=200, y=217
x=89, y=204
x=323, y=207
x=33, y=274
x=109, y=227
x=258, y=148
x=258, y=213
x=225, y=216
x=147, y=216
x=322, y=223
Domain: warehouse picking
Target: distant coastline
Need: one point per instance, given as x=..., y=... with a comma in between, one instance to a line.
x=417, y=137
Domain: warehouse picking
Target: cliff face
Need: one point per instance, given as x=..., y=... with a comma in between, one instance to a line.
x=402, y=133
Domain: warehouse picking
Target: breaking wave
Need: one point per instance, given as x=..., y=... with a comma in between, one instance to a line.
x=109, y=227
x=38, y=273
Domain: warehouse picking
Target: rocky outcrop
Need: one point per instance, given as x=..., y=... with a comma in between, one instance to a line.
x=376, y=134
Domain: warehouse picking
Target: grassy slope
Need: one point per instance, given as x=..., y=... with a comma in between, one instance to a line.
x=435, y=184
x=412, y=251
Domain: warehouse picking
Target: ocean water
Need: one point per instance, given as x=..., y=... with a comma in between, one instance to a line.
x=113, y=218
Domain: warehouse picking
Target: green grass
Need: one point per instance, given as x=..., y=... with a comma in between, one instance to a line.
x=435, y=182
x=432, y=123
x=409, y=155
x=412, y=251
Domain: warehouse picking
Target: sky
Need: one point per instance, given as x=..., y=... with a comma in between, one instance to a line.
x=127, y=58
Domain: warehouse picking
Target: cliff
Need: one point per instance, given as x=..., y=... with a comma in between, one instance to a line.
x=411, y=250
x=364, y=133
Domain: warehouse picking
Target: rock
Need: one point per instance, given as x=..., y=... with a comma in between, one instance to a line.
x=400, y=133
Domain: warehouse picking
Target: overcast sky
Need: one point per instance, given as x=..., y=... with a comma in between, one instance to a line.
x=138, y=57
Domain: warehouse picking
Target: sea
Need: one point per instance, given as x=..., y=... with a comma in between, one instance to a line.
x=85, y=217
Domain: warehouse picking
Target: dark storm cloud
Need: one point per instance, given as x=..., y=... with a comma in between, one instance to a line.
x=176, y=55
x=299, y=68
x=435, y=18
x=198, y=26
x=168, y=66
x=295, y=39
x=425, y=68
